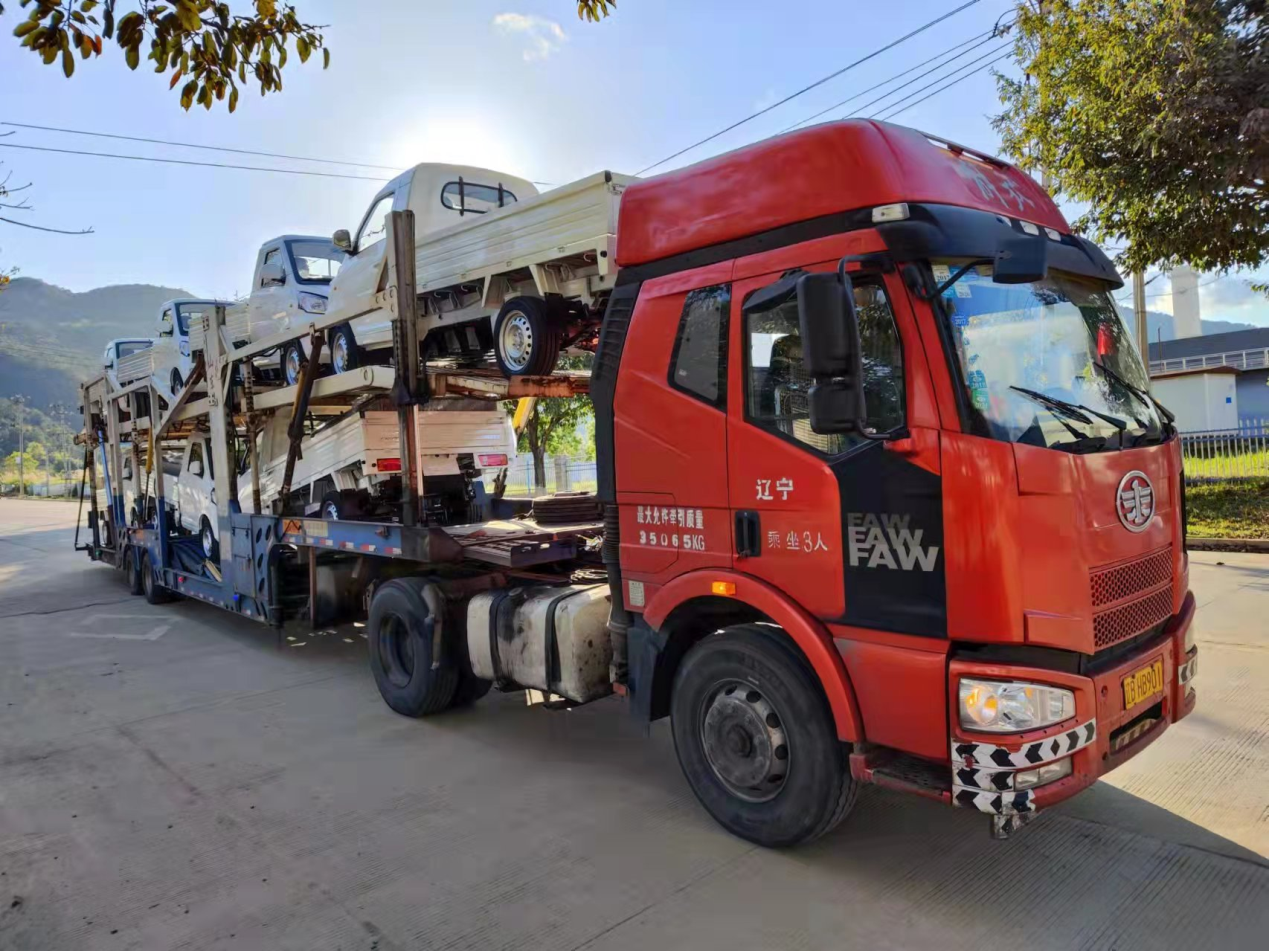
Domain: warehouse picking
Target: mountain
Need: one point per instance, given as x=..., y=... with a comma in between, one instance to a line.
x=51, y=338
x=1161, y=327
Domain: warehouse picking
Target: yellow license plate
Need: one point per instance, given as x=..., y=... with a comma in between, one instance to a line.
x=1143, y=684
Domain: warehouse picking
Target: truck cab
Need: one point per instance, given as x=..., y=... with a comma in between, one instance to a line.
x=441, y=196
x=172, y=357
x=289, y=288
x=195, y=494
x=866, y=387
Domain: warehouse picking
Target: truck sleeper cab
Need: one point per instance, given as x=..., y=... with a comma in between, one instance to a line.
x=894, y=447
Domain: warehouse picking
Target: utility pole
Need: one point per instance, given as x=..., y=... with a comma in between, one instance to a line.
x=19, y=402
x=1139, y=312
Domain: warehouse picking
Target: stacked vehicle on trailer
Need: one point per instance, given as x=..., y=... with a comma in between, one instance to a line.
x=883, y=495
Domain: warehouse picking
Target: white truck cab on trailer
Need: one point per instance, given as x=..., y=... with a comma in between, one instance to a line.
x=289, y=287
x=170, y=357
x=498, y=267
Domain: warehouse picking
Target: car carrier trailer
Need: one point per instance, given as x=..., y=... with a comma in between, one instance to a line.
x=885, y=498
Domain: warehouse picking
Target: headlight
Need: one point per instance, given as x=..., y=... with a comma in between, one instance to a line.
x=1043, y=775
x=996, y=707
x=312, y=303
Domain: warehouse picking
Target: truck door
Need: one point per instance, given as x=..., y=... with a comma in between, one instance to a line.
x=359, y=277
x=267, y=307
x=670, y=431
x=804, y=504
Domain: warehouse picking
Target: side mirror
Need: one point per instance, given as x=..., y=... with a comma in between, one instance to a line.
x=272, y=274
x=1021, y=261
x=831, y=352
x=342, y=240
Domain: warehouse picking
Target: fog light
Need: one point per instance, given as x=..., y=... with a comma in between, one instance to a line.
x=1190, y=631
x=1011, y=707
x=1048, y=773
x=896, y=212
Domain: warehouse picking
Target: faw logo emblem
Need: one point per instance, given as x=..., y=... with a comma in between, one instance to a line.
x=885, y=541
x=1134, y=501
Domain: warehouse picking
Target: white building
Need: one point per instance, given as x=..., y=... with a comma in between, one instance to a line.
x=1204, y=400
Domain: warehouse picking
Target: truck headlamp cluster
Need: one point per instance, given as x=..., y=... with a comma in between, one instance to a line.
x=991, y=706
x=312, y=303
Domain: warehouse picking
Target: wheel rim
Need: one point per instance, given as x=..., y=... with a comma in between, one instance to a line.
x=396, y=650
x=339, y=353
x=208, y=541
x=293, y=363
x=330, y=511
x=516, y=341
x=744, y=741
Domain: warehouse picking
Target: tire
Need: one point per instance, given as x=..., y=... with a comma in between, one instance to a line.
x=400, y=644
x=154, y=592
x=175, y=381
x=132, y=570
x=341, y=506
x=739, y=696
x=292, y=363
x=527, y=337
x=207, y=538
x=345, y=355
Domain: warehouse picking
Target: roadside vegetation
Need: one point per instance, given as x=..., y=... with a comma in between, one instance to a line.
x=1228, y=509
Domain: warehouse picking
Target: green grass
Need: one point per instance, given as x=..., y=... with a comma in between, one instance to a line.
x=1227, y=465
x=1228, y=509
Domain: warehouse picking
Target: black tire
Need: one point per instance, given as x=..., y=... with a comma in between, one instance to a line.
x=132, y=570
x=531, y=322
x=207, y=539
x=751, y=693
x=154, y=592
x=341, y=506
x=345, y=355
x=175, y=381
x=400, y=643
x=291, y=363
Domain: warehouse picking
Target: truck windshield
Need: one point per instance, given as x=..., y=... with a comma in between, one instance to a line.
x=315, y=262
x=1050, y=363
x=187, y=312
x=127, y=348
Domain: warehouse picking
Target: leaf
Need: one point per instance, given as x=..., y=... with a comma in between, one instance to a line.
x=68, y=63
x=187, y=94
x=233, y=98
x=132, y=57
x=282, y=57
x=325, y=58
x=25, y=27
x=97, y=45
x=302, y=47
x=108, y=21
x=87, y=5
x=176, y=78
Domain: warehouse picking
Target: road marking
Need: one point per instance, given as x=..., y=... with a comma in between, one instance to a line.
x=152, y=635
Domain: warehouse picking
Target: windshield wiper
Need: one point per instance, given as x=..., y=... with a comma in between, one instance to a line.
x=1074, y=411
x=1146, y=398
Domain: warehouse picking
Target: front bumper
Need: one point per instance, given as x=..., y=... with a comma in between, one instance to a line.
x=1100, y=736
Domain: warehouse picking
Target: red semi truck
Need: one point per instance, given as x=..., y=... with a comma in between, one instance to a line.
x=885, y=496
x=895, y=504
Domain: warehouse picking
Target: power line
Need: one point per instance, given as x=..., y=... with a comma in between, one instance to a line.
x=191, y=145
x=986, y=65
x=985, y=38
x=917, y=79
x=819, y=82
x=172, y=161
x=215, y=148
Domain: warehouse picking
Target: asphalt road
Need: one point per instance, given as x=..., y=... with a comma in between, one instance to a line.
x=171, y=778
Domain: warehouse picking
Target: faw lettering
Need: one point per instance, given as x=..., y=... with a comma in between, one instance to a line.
x=886, y=541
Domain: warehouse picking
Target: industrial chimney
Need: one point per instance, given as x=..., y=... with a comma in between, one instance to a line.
x=1185, y=302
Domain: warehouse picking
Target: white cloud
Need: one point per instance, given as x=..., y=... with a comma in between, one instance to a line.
x=543, y=37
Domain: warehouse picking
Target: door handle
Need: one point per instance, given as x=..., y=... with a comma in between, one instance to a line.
x=748, y=535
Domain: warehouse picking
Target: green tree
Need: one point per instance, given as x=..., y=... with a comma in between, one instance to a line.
x=200, y=44
x=1153, y=112
x=551, y=427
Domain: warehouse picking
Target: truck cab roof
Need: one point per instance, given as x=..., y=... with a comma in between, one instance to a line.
x=441, y=195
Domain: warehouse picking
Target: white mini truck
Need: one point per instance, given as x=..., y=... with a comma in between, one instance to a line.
x=350, y=466
x=170, y=357
x=498, y=267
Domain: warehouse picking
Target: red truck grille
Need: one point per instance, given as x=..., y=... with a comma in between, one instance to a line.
x=1131, y=597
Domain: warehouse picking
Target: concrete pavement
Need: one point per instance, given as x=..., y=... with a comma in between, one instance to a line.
x=170, y=778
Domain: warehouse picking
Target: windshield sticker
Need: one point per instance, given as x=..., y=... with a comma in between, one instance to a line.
x=960, y=320
x=941, y=272
x=962, y=289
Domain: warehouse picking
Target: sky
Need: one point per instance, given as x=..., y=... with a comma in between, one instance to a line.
x=521, y=86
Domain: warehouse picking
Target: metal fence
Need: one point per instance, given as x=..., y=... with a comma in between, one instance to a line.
x=562, y=475
x=1229, y=454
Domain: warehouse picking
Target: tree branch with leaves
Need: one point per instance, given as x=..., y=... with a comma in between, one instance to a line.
x=201, y=45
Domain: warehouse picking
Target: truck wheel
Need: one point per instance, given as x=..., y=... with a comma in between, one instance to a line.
x=756, y=740
x=132, y=570
x=344, y=352
x=292, y=363
x=401, y=651
x=470, y=689
x=342, y=505
x=207, y=537
x=154, y=592
x=526, y=337
x=176, y=382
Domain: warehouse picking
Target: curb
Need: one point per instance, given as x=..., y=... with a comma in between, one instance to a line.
x=1228, y=544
